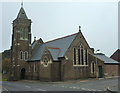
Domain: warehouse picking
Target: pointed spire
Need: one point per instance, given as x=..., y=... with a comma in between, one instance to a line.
x=22, y=13
x=22, y=4
x=79, y=28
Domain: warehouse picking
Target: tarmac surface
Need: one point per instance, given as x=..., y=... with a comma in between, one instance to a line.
x=99, y=84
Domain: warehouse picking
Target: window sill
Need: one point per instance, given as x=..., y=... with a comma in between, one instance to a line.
x=80, y=65
x=24, y=39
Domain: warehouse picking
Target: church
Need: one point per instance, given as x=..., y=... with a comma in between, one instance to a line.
x=65, y=58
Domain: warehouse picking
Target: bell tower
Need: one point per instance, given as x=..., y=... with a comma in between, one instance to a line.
x=21, y=44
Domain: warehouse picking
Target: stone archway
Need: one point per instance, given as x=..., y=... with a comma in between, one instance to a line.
x=22, y=76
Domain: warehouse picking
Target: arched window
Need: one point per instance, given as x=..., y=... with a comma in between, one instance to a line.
x=82, y=55
x=26, y=55
x=74, y=56
x=21, y=55
x=86, y=56
x=79, y=56
x=23, y=34
x=34, y=67
x=92, y=67
x=26, y=35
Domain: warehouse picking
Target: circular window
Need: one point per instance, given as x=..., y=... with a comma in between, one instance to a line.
x=45, y=61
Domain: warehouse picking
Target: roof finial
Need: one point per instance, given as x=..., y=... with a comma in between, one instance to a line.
x=22, y=4
x=79, y=28
x=34, y=38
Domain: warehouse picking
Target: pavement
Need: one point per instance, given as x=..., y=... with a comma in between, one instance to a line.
x=91, y=84
x=61, y=82
x=114, y=88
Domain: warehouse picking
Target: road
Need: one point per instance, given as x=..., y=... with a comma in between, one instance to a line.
x=76, y=85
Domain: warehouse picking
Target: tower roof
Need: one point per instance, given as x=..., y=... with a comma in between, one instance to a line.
x=22, y=13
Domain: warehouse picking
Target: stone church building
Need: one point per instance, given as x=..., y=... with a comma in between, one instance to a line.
x=65, y=58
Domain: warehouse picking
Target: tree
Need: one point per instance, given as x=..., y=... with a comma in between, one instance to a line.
x=6, y=65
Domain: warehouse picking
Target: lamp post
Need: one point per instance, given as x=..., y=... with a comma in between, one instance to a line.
x=97, y=64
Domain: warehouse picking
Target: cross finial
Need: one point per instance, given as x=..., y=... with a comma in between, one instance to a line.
x=79, y=28
x=22, y=4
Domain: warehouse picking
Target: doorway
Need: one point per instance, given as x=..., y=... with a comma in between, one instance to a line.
x=23, y=73
x=100, y=71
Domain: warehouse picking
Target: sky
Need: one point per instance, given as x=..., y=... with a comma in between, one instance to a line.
x=50, y=20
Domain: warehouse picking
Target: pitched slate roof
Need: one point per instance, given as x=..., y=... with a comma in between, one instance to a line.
x=22, y=14
x=54, y=52
x=57, y=47
x=116, y=55
x=34, y=43
x=106, y=59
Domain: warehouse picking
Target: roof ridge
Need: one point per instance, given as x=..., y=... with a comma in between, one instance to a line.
x=61, y=37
